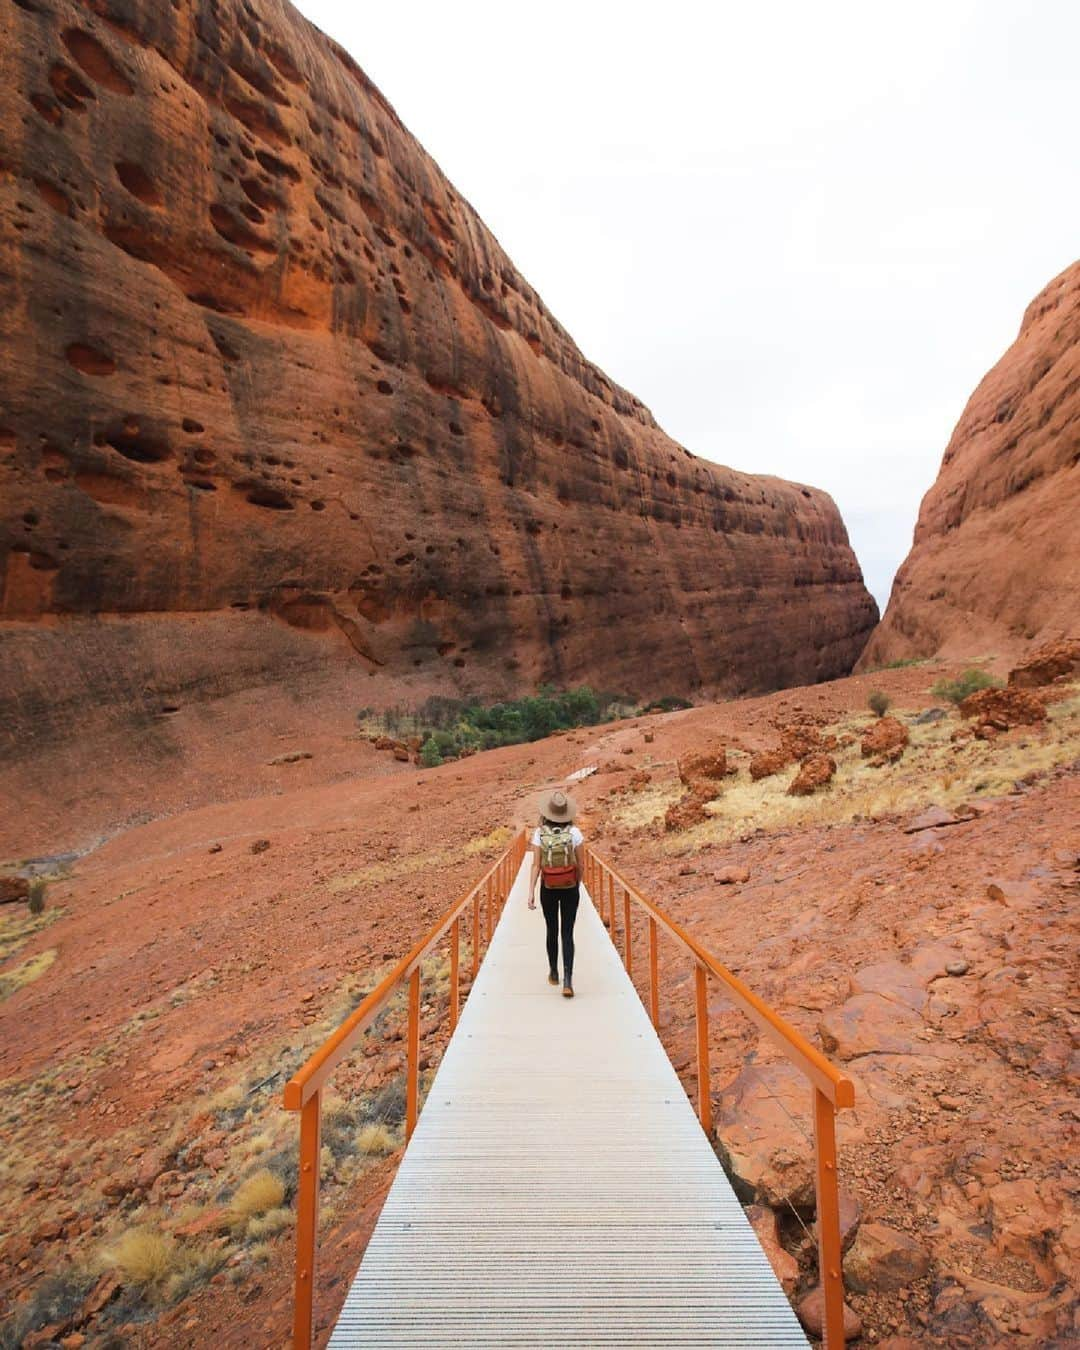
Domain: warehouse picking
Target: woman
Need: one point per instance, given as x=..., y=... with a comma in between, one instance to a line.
x=558, y=862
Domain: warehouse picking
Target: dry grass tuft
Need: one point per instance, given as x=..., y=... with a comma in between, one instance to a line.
x=498, y=837
x=266, y=1225
x=19, y=926
x=260, y=1192
x=375, y=1138
x=142, y=1255
x=30, y=970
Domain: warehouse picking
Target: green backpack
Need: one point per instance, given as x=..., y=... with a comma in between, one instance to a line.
x=558, y=870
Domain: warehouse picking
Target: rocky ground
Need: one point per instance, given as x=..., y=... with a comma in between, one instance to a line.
x=915, y=914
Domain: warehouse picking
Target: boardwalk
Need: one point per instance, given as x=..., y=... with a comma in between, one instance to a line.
x=559, y=1191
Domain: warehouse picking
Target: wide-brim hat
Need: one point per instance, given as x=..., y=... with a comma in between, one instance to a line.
x=558, y=806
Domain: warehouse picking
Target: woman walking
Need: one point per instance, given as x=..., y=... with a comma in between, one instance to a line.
x=557, y=861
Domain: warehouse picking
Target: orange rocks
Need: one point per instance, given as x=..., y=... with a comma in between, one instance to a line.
x=689, y=810
x=1053, y=661
x=711, y=764
x=767, y=762
x=884, y=1258
x=1003, y=708
x=811, y=1313
x=885, y=741
x=815, y=773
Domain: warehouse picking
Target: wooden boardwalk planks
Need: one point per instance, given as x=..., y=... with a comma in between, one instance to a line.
x=558, y=1190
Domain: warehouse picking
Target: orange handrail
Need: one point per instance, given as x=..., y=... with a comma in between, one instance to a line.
x=832, y=1090
x=303, y=1092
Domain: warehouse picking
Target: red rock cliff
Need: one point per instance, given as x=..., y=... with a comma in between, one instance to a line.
x=996, y=557
x=257, y=355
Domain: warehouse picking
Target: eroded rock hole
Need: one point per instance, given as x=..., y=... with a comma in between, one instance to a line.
x=272, y=498
x=92, y=58
x=138, y=182
x=277, y=167
x=53, y=196
x=88, y=360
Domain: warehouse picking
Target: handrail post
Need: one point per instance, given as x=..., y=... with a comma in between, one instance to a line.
x=628, y=951
x=307, y=1219
x=828, y=1217
x=654, y=982
x=475, y=932
x=455, y=963
x=611, y=900
x=488, y=907
x=413, y=1056
x=701, y=991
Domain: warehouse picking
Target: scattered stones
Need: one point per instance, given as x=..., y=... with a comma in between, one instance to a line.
x=731, y=876
x=214, y=848
x=815, y=773
x=768, y=762
x=932, y=818
x=260, y=845
x=1047, y=664
x=291, y=757
x=786, y=1269
x=1003, y=708
x=13, y=889
x=850, y=1218
x=957, y=967
x=928, y=716
x=884, y=1258
x=768, y=1160
x=885, y=741
x=689, y=810
x=710, y=765
x=811, y=1313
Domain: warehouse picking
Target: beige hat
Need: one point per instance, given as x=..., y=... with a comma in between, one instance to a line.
x=558, y=806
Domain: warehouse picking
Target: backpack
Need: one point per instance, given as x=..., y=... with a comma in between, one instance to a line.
x=558, y=870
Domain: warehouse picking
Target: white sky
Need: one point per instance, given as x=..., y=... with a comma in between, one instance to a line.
x=799, y=232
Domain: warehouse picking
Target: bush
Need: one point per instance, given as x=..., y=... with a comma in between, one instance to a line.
x=449, y=728
x=955, y=691
x=375, y=1138
x=256, y=1195
x=36, y=894
x=430, y=757
x=143, y=1256
x=879, y=702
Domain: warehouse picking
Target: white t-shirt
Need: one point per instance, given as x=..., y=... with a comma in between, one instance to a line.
x=576, y=837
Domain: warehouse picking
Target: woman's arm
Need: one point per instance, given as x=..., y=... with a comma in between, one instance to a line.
x=579, y=861
x=534, y=872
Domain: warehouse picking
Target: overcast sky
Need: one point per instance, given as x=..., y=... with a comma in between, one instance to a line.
x=800, y=233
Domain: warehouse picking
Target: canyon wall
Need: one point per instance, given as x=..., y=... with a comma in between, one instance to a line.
x=260, y=364
x=995, y=562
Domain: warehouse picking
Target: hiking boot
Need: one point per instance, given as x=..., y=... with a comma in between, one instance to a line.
x=553, y=976
x=567, y=988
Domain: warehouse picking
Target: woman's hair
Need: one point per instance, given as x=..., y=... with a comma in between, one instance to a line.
x=544, y=820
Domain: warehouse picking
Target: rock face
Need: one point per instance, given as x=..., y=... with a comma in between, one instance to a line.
x=996, y=559
x=259, y=359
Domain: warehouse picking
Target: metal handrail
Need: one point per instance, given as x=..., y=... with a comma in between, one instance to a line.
x=303, y=1092
x=832, y=1090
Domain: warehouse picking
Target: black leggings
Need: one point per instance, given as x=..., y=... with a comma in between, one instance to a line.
x=564, y=904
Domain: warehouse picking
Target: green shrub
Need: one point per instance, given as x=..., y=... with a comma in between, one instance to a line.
x=879, y=702
x=968, y=683
x=450, y=727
